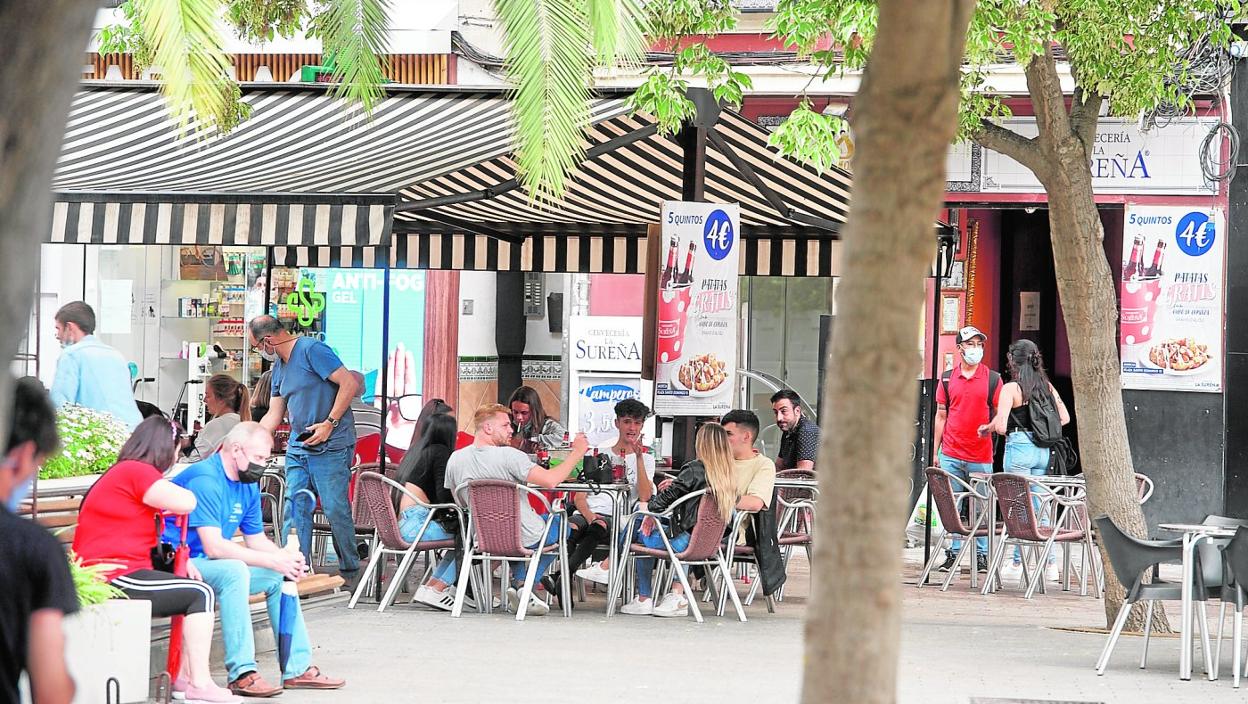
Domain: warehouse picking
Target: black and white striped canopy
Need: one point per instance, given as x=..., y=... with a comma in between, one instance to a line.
x=320, y=184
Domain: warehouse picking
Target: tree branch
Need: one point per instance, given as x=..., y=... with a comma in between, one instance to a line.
x=1085, y=111
x=1047, y=98
x=1010, y=143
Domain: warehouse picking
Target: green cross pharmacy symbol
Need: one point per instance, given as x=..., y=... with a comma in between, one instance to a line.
x=306, y=302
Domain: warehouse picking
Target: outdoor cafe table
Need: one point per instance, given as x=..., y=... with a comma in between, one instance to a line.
x=1193, y=534
x=619, y=494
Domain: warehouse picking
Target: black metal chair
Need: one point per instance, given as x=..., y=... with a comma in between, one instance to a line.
x=1131, y=559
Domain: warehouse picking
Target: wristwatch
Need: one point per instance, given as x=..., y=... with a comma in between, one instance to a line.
x=332, y=421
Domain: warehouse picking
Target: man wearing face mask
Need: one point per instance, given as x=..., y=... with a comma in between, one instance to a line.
x=36, y=591
x=312, y=387
x=228, y=500
x=89, y=372
x=965, y=396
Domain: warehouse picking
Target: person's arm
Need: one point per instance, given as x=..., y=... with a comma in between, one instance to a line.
x=762, y=485
x=1005, y=402
x=347, y=388
x=275, y=414
x=1062, y=414
x=164, y=495
x=552, y=434
x=645, y=476
x=50, y=682
x=687, y=481
x=65, y=383
x=938, y=431
x=288, y=563
x=807, y=446
x=550, y=478
x=581, y=501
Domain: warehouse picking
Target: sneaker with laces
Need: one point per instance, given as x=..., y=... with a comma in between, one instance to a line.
x=950, y=558
x=594, y=573
x=981, y=563
x=638, y=607
x=1012, y=572
x=673, y=605
x=537, y=607
x=210, y=694
x=442, y=600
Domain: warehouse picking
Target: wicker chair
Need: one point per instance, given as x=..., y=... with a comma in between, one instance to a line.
x=948, y=493
x=1016, y=498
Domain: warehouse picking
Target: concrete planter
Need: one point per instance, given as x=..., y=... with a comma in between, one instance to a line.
x=110, y=640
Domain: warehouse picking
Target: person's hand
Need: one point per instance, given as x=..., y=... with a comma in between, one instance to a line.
x=648, y=524
x=637, y=447
x=664, y=484
x=580, y=443
x=590, y=518
x=320, y=433
x=401, y=381
x=287, y=563
x=192, y=572
x=985, y=429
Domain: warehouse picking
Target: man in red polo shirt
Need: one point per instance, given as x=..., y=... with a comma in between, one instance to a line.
x=962, y=404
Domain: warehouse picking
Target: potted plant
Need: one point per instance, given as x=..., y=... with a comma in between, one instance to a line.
x=90, y=441
x=109, y=637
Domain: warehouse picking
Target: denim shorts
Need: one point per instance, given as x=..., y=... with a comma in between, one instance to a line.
x=413, y=518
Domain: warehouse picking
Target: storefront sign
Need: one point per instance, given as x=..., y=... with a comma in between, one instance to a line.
x=1124, y=159
x=604, y=343
x=1170, y=325
x=696, y=336
x=306, y=302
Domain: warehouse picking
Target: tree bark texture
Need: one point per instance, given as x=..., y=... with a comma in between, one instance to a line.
x=904, y=119
x=1059, y=158
x=41, y=45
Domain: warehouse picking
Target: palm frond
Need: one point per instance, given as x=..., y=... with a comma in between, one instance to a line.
x=549, y=63
x=194, y=68
x=353, y=36
x=619, y=31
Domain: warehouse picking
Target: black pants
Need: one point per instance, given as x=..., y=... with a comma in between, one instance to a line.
x=584, y=540
x=170, y=595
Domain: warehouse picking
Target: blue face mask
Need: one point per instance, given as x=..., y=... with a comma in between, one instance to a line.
x=19, y=494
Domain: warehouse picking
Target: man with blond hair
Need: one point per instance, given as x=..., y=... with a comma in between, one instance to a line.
x=491, y=456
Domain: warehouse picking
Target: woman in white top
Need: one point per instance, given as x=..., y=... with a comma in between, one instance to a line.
x=229, y=403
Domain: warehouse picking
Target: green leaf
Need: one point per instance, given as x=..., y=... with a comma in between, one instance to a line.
x=618, y=29
x=194, y=68
x=810, y=137
x=663, y=96
x=549, y=63
x=354, y=38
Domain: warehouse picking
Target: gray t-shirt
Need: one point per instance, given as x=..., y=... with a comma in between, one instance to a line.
x=504, y=462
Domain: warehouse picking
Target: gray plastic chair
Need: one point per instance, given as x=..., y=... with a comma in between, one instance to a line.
x=1131, y=558
x=1235, y=558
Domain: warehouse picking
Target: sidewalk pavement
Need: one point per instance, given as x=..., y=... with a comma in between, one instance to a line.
x=956, y=645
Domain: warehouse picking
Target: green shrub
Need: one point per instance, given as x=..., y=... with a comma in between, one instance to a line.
x=89, y=582
x=90, y=441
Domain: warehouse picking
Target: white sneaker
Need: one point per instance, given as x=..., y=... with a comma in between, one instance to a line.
x=638, y=607
x=672, y=605
x=442, y=600
x=537, y=607
x=1052, y=573
x=1011, y=572
x=594, y=573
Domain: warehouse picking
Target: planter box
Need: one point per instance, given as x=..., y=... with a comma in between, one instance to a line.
x=112, y=639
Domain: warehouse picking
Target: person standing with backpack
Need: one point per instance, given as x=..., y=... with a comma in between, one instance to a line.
x=965, y=401
x=1030, y=414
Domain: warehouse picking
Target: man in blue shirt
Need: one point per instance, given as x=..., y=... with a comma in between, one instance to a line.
x=89, y=372
x=311, y=385
x=228, y=501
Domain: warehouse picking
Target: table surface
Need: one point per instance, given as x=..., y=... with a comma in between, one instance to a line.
x=1196, y=528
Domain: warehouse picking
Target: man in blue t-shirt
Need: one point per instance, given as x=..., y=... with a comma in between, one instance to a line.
x=228, y=501
x=311, y=386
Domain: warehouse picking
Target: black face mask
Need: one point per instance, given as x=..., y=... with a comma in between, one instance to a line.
x=251, y=473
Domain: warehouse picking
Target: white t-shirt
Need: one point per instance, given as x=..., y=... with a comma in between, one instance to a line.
x=601, y=503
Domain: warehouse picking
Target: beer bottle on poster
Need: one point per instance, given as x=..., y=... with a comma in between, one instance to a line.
x=669, y=271
x=686, y=276
x=1154, y=271
x=1134, y=267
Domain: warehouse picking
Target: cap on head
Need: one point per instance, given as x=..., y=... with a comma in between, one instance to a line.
x=970, y=332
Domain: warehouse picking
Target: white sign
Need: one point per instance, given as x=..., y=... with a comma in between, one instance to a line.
x=604, y=343
x=1170, y=324
x=696, y=336
x=596, y=396
x=116, y=305
x=1124, y=159
x=1029, y=305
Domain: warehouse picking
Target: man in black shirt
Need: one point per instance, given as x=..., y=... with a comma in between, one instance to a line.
x=36, y=590
x=799, y=446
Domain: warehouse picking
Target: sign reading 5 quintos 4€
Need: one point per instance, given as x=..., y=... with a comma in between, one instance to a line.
x=696, y=336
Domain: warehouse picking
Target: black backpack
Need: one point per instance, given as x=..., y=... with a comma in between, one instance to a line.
x=1046, y=424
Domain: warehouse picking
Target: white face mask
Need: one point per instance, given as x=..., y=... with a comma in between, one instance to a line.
x=268, y=356
x=973, y=355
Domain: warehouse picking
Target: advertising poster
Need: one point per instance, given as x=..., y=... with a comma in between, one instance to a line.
x=604, y=360
x=1170, y=324
x=696, y=336
x=596, y=396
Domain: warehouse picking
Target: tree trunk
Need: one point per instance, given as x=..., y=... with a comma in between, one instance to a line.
x=41, y=49
x=904, y=119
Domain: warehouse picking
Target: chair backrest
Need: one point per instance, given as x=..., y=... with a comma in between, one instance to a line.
x=1014, y=501
x=708, y=530
x=1129, y=556
x=1144, y=486
x=367, y=449
x=359, y=512
x=495, y=508
x=1235, y=556
x=373, y=493
x=943, y=495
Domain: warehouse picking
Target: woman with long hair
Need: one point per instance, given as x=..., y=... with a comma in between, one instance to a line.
x=119, y=525
x=1013, y=420
x=260, y=395
x=423, y=472
x=713, y=470
x=533, y=428
x=229, y=402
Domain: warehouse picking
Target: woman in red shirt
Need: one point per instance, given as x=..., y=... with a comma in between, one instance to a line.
x=119, y=524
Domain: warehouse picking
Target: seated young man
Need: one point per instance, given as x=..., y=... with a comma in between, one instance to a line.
x=491, y=456
x=755, y=473
x=591, y=524
x=228, y=499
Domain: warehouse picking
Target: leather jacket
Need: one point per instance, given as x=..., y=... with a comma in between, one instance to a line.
x=692, y=478
x=762, y=534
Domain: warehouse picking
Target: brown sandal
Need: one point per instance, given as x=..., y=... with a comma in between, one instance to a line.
x=313, y=679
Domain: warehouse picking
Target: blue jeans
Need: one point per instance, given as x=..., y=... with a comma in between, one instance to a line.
x=518, y=569
x=327, y=473
x=962, y=470
x=234, y=581
x=1022, y=456
x=645, y=565
x=409, y=525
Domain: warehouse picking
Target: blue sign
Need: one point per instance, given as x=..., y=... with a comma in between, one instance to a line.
x=717, y=235
x=609, y=393
x=1195, y=233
